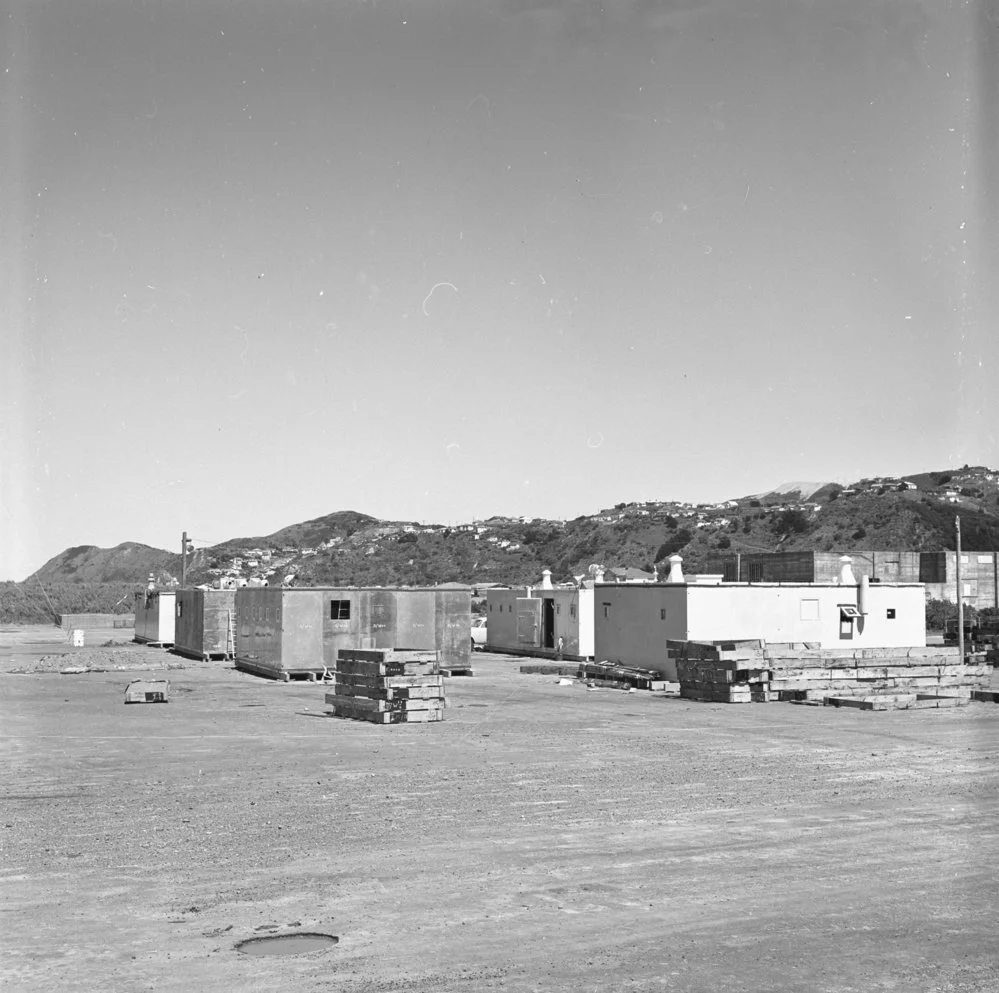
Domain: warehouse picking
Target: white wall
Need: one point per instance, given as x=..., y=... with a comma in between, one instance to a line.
x=155, y=616
x=808, y=612
x=578, y=631
x=632, y=623
x=573, y=619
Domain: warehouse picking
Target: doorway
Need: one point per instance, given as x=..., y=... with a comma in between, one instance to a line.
x=548, y=622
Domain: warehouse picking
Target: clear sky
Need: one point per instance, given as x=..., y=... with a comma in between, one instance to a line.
x=440, y=259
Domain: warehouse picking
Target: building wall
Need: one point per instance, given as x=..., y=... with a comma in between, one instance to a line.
x=573, y=619
x=633, y=623
x=202, y=621
x=979, y=579
x=154, y=616
x=768, y=567
x=886, y=567
x=501, y=617
x=283, y=629
x=279, y=629
x=807, y=613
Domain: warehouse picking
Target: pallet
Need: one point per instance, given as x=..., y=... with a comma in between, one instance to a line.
x=190, y=653
x=550, y=670
x=153, y=644
x=985, y=696
x=631, y=676
x=898, y=701
x=281, y=675
x=457, y=671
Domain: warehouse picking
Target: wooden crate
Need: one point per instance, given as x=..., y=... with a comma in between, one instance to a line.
x=148, y=691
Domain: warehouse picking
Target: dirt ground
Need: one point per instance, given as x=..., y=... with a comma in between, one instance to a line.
x=541, y=838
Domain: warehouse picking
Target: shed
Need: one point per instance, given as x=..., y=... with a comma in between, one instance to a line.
x=634, y=622
x=154, y=617
x=299, y=631
x=205, y=623
x=530, y=621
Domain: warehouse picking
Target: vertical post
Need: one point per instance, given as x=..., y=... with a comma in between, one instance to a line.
x=183, y=560
x=738, y=567
x=960, y=592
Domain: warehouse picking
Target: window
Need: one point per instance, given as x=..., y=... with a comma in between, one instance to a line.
x=755, y=572
x=606, y=610
x=964, y=560
x=339, y=610
x=890, y=613
x=847, y=615
x=809, y=610
x=572, y=610
x=662, y=614
x=984, y=559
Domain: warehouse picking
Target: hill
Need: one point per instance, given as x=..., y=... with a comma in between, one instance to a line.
x=914, y=513
x=127, y=562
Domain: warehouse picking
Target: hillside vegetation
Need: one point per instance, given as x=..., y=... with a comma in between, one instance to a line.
x=913, y=513
x=31, y=603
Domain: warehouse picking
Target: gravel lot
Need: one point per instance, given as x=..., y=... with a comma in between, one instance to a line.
x=542, y=837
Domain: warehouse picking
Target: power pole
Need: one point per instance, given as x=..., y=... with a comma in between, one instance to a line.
x=960, y=597
x=183, y=560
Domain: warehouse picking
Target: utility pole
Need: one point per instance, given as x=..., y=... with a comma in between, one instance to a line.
x=183, y=560
x=960, y=597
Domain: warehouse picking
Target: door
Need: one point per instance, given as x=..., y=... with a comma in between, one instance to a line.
x=529, y=621
x=548, y=622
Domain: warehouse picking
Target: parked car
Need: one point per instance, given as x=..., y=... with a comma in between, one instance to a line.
x=478, y=633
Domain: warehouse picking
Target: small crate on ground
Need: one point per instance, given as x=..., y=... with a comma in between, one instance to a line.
x=387, y=686
x=148, y=691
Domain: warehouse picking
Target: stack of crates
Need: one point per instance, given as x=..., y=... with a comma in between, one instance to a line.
x=387, y=686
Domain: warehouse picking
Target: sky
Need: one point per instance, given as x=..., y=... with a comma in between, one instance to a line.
x=435, y=260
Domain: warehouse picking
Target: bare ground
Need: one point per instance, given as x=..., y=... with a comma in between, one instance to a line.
x=542, y=837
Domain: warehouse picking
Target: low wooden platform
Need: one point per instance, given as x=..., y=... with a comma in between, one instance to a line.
x=306, y=674
x=201, y=656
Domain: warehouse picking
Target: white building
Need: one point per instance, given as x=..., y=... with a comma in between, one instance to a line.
x=632, y=623
x=532, y=620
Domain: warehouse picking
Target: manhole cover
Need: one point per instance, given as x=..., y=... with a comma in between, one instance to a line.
x=287, y=944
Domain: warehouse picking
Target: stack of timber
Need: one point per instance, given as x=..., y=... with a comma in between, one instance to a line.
x=722, y=672
x=621, y=676
x=387, y=686
x=885, y=678
x=868, y=678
